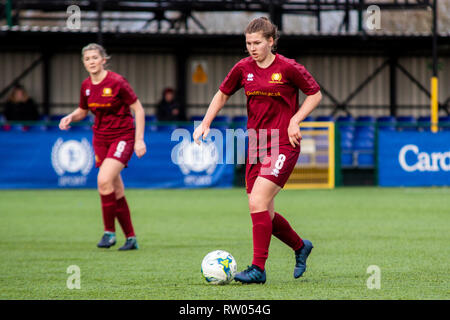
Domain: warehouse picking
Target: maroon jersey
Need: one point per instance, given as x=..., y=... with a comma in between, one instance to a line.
x=110, y=102
x=272, y=94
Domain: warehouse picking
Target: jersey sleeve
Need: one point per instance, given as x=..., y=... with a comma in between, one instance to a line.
x=233, y=81
x=301, y=78
x=83, y=98
x=126, y=93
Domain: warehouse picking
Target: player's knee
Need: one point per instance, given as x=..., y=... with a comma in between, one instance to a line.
x=256, y=203
x=105, y=184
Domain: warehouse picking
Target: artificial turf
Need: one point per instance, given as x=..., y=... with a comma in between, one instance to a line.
x=403, y=231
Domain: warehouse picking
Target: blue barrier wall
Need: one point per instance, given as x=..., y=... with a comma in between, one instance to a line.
x=413, y=158
x=58, y=159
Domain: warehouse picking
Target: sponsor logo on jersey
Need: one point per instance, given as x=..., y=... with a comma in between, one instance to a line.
x=263, y=93
x=107, y=92
x=276, y=78
x=99, y=105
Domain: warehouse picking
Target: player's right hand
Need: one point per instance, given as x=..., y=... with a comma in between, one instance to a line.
x=201, y=131
x=64, y=124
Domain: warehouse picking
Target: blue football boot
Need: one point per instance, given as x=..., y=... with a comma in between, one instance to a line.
x=300, y=258
x=130, y=244
x=253, y=274
x=108, y=240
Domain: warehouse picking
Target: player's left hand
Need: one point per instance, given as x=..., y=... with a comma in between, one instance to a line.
x=294, y=134
x=139, y=148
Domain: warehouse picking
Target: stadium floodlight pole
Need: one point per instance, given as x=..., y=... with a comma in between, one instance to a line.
x=434, y=79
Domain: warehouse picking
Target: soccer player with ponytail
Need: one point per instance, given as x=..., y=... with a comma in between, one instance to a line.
x=111, y=99
x=271, y=83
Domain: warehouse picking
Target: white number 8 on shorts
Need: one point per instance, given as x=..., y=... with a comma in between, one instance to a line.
x=280, y=161
x=120, y=148
x=278, y=165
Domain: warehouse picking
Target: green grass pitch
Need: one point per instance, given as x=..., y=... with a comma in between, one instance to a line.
x=403, y=231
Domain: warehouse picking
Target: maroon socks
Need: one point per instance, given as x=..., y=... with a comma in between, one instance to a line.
x=112, y=208
x=109, y=211
x=263, y=228
x=262, y=232
x=123, y=215
x=283, y=231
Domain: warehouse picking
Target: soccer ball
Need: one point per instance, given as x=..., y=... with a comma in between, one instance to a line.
x=219, y=267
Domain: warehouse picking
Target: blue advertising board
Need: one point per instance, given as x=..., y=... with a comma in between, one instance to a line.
x=65, y=159
x=413, y=158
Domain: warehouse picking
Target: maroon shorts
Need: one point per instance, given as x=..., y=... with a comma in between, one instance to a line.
x=274, y=167
x=120, y=148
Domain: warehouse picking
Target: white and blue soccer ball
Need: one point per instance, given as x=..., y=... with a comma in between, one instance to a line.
x=219, y=267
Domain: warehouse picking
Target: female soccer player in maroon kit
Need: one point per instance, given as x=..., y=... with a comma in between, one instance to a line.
x=271, y=84
x=111, y=99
